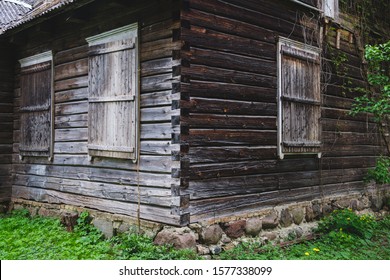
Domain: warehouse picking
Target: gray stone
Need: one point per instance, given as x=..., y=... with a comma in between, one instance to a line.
x=298, y=232
x=179, y=239
x=253, y=226
x=343, y=203
x=215, y=250
x=46, y=212
x=298, y=214
x=269, y=236
x=327, y=209
x=235, y=229
x=376, y=202
x=226, y=240
x=309, y=214
x=105, y=226
x=270, y=221
x=211, y=234
x=202, y=250
x=285, y=218
x=317, y=211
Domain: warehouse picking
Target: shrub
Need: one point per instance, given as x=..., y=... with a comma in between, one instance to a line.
x=348, y=222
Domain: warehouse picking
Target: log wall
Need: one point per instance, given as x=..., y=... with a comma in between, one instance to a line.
x=113, y=185
x=229, y=109
x=6, y=112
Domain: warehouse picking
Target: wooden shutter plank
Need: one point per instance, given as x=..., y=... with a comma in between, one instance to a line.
x=300, y=98
x=112, y=47
x=113, y=81
x=36, y=87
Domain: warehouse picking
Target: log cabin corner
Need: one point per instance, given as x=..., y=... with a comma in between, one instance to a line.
x=184, y=111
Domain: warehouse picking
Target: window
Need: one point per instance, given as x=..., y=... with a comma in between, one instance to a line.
x=331, y=8
x=299, y=98
x=113, y=93
x=36, y=118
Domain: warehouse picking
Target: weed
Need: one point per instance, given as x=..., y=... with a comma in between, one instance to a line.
x=380, y=174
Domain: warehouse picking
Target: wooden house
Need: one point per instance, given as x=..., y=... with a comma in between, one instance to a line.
x=180, y=111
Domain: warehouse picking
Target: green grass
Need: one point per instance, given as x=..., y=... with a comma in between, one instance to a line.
x=343, y=236
x=25, y=238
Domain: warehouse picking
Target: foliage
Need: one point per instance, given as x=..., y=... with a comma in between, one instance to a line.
x=376, y=99
x=348, y=222
x=345, y=236
x=380, y=174
x=138, y=247
x=26, y=238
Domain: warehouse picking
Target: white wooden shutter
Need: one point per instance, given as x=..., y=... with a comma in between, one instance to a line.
x=299, y=98
x=331, y=8
x=36, y=117
x=113, y=94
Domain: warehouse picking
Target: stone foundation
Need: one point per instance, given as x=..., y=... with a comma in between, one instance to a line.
x=277, y=224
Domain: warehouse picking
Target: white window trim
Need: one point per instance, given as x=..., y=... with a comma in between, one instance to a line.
x=36, y=59
x=125, y=32
x=300, y=46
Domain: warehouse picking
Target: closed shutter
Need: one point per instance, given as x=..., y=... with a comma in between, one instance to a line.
x=36, y=108
x=299, y=98
x=331, y=8
x=113, y=87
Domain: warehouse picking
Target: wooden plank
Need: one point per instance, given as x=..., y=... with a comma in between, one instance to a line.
x=71, y=108
x=348, y=126
x=158, y=98
x=72, y=54
x=158, y=66
x=158, y=30
x=71, y=121
x=71, y=69
x=229, y=121
x=230, y=154
x=156, y=114
x=230, y=91
x=156, y=83
x=349, y=138
x=221, y=137
x=71, y=95
x=206, y=38
x=149, y=163
x=158, y=49
x=348, y=162
x=49, y=196
x=70, y=148
x=72, y=83
x=229, y=107
x=156, y=131
x=243, y=168
x=151, y=196
x=72, y=134
x=105, y=175
x=228, y=60
x=228, y=25
x=212, y=74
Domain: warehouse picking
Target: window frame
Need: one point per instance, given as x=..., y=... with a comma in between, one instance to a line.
x=117, y=40
x=315, y=54
x=29, y=63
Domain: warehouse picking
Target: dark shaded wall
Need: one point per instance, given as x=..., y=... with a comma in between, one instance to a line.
x=6, y=120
